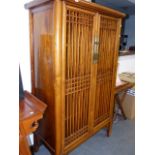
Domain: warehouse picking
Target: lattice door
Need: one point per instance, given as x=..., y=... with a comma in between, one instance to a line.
x=108, y=28
x=79, y=33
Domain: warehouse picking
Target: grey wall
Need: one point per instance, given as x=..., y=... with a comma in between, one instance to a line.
x=129, y=29
x=128, y=7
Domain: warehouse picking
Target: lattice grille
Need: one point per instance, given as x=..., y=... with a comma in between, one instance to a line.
x=77, y=84
x=78, y=69
x=108, y=28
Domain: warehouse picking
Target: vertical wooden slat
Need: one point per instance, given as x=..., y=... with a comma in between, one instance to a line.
x=31, y=27
x=57, y=48
x=93, y=75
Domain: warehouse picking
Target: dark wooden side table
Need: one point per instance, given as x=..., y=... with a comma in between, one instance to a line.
x=31, y=110
x=122, y=87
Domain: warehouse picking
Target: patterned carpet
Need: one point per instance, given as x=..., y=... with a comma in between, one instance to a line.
x=122, y=142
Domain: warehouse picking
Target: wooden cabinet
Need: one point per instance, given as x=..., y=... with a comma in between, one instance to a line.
x=74, y=48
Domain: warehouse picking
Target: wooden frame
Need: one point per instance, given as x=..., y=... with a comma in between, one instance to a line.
x=64, y=76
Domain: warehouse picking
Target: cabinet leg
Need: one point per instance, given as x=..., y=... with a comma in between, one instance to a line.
x=109, y=130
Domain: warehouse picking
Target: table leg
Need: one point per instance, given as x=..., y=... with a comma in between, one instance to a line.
x=120, y=105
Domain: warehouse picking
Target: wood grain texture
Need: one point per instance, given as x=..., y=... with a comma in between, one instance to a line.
x=63, y=72
x=30, y=112
x=58, y=75
x=78, y=92
x=43, y=66
x=82, y=3
x=23, y=146
x=116, y=49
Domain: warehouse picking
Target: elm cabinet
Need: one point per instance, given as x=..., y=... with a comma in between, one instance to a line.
x=74, y=48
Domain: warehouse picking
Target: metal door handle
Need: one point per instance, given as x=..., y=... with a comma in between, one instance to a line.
x=96, y=50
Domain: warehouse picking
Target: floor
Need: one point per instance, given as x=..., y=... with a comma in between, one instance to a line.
x=122, y=142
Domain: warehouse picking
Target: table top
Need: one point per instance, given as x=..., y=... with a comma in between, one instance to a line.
x=122, y=86
x=31, y=110
x=30, y=106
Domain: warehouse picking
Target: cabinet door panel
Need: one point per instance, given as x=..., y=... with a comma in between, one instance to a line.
x=79, y=34
x=108, y=29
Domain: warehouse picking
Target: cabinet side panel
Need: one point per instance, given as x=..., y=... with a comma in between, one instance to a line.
x=43, y=68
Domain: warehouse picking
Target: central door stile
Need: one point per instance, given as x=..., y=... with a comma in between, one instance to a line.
x=96, y=32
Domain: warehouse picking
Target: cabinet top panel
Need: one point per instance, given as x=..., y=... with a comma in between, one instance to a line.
x=82, y=4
